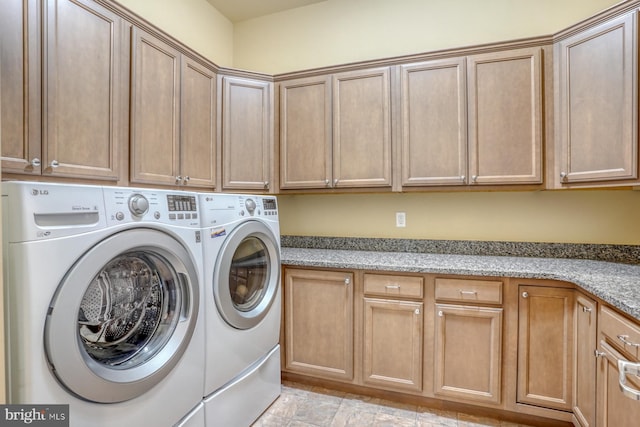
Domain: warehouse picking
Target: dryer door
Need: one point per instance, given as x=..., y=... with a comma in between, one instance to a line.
x=247, y=274
x=123, y=316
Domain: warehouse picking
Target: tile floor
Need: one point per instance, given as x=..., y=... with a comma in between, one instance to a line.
x=306, y=406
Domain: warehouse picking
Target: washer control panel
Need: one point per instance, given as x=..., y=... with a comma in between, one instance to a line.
x=125, y=205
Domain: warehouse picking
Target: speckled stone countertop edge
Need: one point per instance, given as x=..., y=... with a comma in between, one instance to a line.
x=615, y=283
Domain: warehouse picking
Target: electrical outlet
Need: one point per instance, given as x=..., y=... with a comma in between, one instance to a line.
x=401, y=219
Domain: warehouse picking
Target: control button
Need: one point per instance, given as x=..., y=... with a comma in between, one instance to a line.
x=156, y=215
x=194, y=215
x=172, y=216
x=180, y=216
x=119, y=216
x=241, y=213
x=187, y=216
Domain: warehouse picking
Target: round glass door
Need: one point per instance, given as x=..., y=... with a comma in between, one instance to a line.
x=129, y=310
x=123, y=316
x=248, y=274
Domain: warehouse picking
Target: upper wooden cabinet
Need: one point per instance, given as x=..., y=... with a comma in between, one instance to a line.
x=434, y=123
x=172, y=116
x=505, y=117
x=306, y=150
x=597, y=104
x=84, y=94
x=362, y=128
x=20, y=83
x=335, y=130
x=247, y=139
x=499, y=142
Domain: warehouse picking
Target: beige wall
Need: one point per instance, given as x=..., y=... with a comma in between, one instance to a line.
x=341, y=31
x=535, y=216
x=195, y=23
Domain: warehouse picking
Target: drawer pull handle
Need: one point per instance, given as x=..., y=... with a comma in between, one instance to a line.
x=626, y=367
x=468, y=293
x=392, y=287
x=599, y=353
x=625, y=341
x=586, y=309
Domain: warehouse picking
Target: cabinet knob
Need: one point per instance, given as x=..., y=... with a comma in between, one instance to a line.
x=178, y=179
x=327, y=183
x=347, y=281
x=35, y=162
x=335, y=182
x=586, y=309
x=266, y=185
x=474, y=178
x=563, y=176
x=417, y=311
x=54, y=164
x=599, y=353
x=186, y=179
x=440, y=313
x=525, y=295
x=463, y=178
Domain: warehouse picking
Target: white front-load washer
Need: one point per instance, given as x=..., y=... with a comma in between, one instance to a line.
x=242, y=294
x=103, y=302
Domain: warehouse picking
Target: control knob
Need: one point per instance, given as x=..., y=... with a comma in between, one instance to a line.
x=250, y=205
x=138, y=204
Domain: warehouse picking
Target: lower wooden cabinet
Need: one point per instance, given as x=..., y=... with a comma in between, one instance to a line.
x=318, y=323
x=537, y=348
x=393, y=342
x=467, y=350
x=619, y=344
x=584, y=384
x=545, y=347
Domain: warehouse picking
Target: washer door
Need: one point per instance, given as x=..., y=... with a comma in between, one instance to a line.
x=247, y=274
x=123, y=316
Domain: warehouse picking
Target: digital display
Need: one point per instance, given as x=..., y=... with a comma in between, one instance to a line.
x=180, y=203
x=269, y=204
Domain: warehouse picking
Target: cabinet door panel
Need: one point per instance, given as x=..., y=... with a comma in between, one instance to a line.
x=246, y=137
x=584, y=387
x=155, y=110
x=305, y=133
x=20, y=83
x=393, y=341
x=319, y=323
x=598, y=101
x=505, y=117
x=468, y=352
x=84, y=90
x=197, y=125
x=614, y=408
x=545, y=347
x=362, y=129
x=434, y=123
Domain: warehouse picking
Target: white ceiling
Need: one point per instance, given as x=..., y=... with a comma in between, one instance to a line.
x=240, y=10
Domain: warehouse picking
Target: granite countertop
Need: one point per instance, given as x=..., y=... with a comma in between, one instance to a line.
x=615, y=283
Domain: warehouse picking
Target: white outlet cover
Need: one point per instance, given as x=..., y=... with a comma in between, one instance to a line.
x=401, y=219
